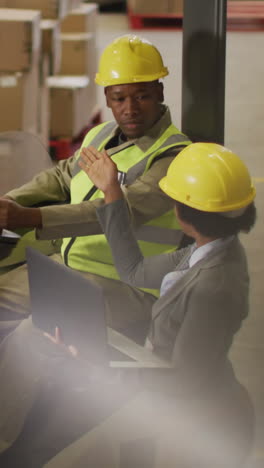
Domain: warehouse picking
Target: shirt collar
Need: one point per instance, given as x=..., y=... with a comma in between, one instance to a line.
x=204, y=250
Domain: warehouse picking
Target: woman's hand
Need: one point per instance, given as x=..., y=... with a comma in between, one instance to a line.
x=57, y=339
x=102, y=171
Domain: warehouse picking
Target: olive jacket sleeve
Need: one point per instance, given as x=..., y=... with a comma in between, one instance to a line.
x=51, y=185
x=144, y=197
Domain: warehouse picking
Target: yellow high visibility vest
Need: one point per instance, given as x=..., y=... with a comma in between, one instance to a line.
x=91, y=253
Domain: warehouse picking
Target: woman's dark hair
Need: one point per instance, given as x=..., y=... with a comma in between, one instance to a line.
x=214, y=224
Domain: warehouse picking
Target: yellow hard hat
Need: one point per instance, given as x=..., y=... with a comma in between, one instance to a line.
x=209, y=177
x=130, y=59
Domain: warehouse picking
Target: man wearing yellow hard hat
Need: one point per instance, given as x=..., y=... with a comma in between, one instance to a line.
x=196, y=413
x=142, y=141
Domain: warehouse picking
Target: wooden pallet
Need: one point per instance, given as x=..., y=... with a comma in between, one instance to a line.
x=245, y=15
x=154, y=21
x=63, y=148
x=241, y=16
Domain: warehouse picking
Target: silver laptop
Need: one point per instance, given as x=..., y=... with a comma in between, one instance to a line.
x=62, y=297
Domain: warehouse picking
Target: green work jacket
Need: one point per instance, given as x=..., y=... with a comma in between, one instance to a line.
x=92, y=253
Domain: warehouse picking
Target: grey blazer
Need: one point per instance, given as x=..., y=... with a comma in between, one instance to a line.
x=194, y=322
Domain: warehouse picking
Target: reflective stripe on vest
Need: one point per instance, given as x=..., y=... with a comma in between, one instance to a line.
x=138, y=169
x=92, y=253
x=99, y=137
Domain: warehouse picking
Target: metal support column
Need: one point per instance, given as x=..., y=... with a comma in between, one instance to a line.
x=203, y=77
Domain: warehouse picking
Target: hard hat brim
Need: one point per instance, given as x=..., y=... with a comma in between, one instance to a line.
x=210, y=207
x=130, y=79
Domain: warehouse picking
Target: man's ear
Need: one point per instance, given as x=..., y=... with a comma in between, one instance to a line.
x=160, y=91
x=176, y=211
x=106, y=97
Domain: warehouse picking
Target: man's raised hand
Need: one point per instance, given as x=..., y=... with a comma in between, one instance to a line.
x=102, y=171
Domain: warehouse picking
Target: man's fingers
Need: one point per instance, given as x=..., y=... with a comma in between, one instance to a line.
x=91, y=153
x=91, y=150
x=87, y=156
x=85, y=166
x=105, y=154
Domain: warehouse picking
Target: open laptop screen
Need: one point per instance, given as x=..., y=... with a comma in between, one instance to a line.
x=62, y=297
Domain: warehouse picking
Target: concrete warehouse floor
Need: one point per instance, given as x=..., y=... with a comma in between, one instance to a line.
x=245, y=135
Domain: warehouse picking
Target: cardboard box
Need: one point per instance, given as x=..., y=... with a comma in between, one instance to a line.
x=176, y=7
x=19, y=99
x=81, y=20
x=50, y=9
x=78, y=54
x=51, y=44
x=20, y=38
x=142, y=7
x=74, y=4
x=71, y=105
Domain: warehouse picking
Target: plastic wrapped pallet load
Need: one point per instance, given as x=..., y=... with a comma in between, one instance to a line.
x=78, y=54
x=20, y=37
x=50, y=9
x=71, y=105
x=155, y=7
x=176, y=7
x=81, y=20
x=19, y=99
x=51, y=44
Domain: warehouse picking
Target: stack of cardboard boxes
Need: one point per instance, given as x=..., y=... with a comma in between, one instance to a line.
x=20, y=40
x=74, y=89
x=47, y=66
x=51, y=9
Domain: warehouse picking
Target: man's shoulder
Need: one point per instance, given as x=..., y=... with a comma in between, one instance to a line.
x=108, y=126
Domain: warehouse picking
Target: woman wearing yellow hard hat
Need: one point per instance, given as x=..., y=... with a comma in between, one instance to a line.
x=197, y=413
